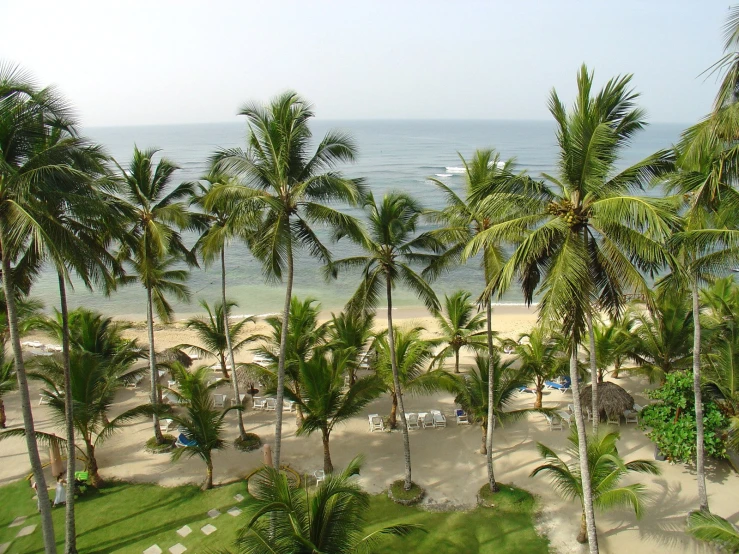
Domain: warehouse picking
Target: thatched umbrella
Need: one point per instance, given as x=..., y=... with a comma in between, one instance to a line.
x=171, y=355
x=612, y=399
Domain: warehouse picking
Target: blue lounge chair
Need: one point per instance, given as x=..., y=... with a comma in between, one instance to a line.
x=556, y=386
x=526, y=389
x=183, y=441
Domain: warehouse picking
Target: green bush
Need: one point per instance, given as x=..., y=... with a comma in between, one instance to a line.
x=672, y=424
x=166, y=446
x=251, y=442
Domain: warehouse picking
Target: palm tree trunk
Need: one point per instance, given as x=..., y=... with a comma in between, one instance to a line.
x=47, y=525
x=153, y=366
x=328, y=467
x=283, y=349
x=484, y=440
x=491, y=398
x=208, y=483
x=538, y=402
x=456, y=360
x=582, y=537
x=92, y=465
x=699, y=452
x=234, y=379
x=3, y=419
x=70, y=544
x=393, y=421
x=593, y=372
x=396, y=383
x=587, y=489
x=224, y=369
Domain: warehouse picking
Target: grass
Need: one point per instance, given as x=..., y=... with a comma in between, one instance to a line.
x=127, y=518
x=397, y=489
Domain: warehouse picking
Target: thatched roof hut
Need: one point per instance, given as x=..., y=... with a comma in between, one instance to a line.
x=612, y=399
x=171, y=355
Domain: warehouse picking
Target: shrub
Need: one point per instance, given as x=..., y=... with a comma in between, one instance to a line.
x=672, y=422
x=163, y=448
x=251, y=442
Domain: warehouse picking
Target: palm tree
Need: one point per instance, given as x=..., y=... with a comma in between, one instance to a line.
x=32, y=168
x=464, y=218
x=607, y=470
x=391, y=246
x=539, y=353
x=472, y=393
x=211, y=331
x=715, y=530
x=460, y=327
x=8, y=383
x=305, y=338
x=225, y=222
x=662, y=337
x=615, y=342
x=327, y=403
x=413, y=357
x=285, y=519
x=152, y=243
x=350, y=335
x=202, y=424
x=291, y=186
x=588, y=239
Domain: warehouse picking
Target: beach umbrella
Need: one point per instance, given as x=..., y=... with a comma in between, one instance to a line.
x=174, y=355
x=612, y=399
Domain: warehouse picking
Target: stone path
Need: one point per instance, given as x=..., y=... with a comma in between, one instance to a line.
x=153, y=550
x=26, y=531
x=17, y=522
x=208, y=529
x=177, y=549
x=214, y=513
x=234, y=512
x=184, y=531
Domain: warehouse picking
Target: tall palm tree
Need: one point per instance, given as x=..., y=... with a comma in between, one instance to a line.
x=202, y=423
x=616, y=338
x=465, y=217
x=350, y=334
x=460, y=327
x=285, y=519
x=540, y=353
x=327, y=402
x=472, y=393
x=391, y=246
x=292, y=186
x=152, y=242
x=607, y=470
x=32, y=168
x=588, y=240
x=413, y=357
x=224, y=223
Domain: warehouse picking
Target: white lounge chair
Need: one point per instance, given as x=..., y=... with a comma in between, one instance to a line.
x=461, y=417
x=259, y=403
x=439, y=420
x=426, y=420
x=567, y=417
x=219, y=400
x=271, y=405
x=613, y=419
x=554, y=422
x=631, y=416
x=171, y=384
x=412, y=421
x=43, y=400
x=638, y=408
x=375, y=423
x=289, y=405
x=320, y=475
x=166, y=425
x=240, y=402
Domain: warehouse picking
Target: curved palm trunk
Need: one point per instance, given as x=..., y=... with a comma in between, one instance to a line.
x=47, y=526
x=699, y=452
x=92, y=465
x=396, y=383
x=234, y=380
x=70, y=544
x=208, y=482
x=593, y=372
x=491, y=399
x=283, y=351
x=328, y=467
x=587, y=489
x=539, y=388
x=153, y=366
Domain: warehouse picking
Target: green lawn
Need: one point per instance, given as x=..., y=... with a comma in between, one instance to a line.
x=129, y=518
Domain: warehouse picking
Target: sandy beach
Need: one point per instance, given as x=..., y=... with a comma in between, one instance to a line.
x=445, y=461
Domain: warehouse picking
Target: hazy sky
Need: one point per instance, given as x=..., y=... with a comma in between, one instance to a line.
x=154, y=62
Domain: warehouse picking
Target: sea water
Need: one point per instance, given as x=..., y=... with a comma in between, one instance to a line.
x=393, y=155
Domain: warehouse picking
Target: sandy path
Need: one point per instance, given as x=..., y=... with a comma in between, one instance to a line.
x=446, y=461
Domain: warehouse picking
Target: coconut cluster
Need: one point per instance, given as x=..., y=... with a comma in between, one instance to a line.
x=568, y=212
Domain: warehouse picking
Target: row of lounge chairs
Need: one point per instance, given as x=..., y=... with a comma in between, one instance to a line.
x=270, y=404
x=421, y=420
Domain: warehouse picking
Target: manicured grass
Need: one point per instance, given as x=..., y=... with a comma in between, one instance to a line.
x=506, y=529
x=125, y=518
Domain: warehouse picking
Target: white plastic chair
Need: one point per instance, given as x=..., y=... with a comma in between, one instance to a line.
x=240, y=401
x=461, y=417
x=613, y=419
x=554, y=422
x=376, y=423
x=271, y=405
x=43, y=400
x=320, y=475
x=426, y=419
x=439, y=420
x=289, y=405
x=260, y=403
x=631, y=416
x=219, y=400
x=412, y=421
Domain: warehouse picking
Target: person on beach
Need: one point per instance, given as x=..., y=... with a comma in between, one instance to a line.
x=60, y=496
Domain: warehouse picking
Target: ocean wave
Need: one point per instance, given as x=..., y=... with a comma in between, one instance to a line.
x=458, y=170
x=443, y=174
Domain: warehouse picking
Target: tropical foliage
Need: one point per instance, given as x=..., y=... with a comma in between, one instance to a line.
x=461, y=327
x=540, y=354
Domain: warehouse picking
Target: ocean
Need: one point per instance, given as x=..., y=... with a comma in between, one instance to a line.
x=393, y=155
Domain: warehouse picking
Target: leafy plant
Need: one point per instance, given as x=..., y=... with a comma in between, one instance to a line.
x=672, y=421
x=714, y=529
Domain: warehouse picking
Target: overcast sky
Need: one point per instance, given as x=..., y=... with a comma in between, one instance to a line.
x=159, y=62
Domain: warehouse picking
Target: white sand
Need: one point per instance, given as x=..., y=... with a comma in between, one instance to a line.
x=445, y=461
